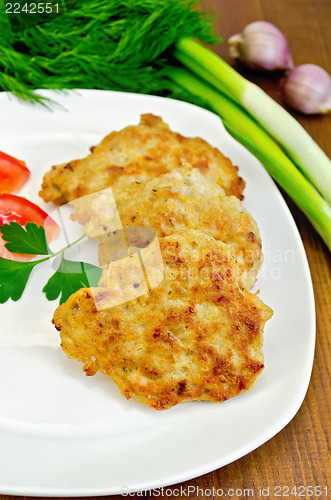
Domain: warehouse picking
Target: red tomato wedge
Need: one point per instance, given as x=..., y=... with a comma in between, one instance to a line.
x=17, y=209
x=13, y=174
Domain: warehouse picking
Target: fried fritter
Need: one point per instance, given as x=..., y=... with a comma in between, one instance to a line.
x=138, y=154
x=195, y=336
x=173, y=203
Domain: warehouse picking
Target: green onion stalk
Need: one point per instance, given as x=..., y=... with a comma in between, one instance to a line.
x=285, y=129
x=250, y=134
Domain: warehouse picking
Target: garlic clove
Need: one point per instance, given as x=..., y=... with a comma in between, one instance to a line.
x=308, y=89
x=261, y=45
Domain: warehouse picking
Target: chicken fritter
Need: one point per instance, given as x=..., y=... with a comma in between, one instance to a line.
x=138, y=153
x=173, y=203
x=195, y=336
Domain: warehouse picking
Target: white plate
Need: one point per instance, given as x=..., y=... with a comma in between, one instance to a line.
x=64, y=434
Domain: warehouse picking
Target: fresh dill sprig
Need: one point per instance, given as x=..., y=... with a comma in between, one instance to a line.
x=104, y=44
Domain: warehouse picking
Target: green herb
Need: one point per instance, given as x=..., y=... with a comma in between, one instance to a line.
x=104, y=44
x=31, y=240
x=69, y=277
x=13, y=278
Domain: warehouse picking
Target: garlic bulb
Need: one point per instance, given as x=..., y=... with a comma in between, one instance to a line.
x=308, y=89
x=261, y=45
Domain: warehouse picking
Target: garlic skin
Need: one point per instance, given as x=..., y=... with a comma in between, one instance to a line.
x=308, y=89
x=261, y=45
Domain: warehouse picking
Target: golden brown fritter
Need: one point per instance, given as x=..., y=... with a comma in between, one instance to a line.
x=138, y=153
x=195, y=336
x=173, y=203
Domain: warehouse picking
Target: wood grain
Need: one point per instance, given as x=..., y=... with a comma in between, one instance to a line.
x=299, y=454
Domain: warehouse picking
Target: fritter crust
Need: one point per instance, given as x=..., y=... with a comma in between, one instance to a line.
x=173, y=203
x=196, y=336
x=138, y=154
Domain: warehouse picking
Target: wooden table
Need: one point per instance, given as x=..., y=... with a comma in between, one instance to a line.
x=299, y=454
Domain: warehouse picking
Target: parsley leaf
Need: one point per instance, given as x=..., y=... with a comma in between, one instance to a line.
x=13, y=278
x=31, y=240
x=70, y=277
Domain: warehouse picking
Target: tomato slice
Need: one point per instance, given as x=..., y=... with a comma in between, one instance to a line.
x=17, y=209
x=13, y=174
